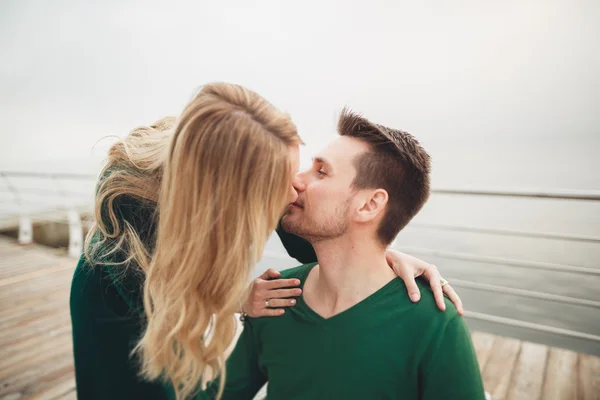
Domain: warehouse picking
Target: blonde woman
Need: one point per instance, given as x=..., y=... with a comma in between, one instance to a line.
x=183, y=211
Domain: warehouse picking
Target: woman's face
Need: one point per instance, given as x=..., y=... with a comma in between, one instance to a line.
x=295, y=161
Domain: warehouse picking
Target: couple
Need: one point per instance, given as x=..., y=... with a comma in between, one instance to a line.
x=354, y=334
x=183, y=210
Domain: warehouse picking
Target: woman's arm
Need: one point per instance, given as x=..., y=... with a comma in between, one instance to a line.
x=297, y=247
x=408, y=268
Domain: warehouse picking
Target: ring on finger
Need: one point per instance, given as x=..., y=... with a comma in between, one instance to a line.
x=267, y=304
x=444, y=282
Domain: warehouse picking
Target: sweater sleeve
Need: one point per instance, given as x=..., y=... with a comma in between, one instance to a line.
x=297, y=247
x=244, y=377
x=450, y=370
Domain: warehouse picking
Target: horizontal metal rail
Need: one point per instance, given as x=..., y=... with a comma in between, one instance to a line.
x=523, y=293
x=502, y=261
x=54, y=198
x=508, y=232
x=48, y=175
x=593, y=195
x=45, y=192
x=46, y=205
x=532, y=326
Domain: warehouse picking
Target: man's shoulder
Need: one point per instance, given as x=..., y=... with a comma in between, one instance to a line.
x=420, y=323
x=299, y=272
x=425, y=312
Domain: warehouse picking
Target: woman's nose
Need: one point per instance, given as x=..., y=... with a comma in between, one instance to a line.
x=293, y=195
x=299, y=182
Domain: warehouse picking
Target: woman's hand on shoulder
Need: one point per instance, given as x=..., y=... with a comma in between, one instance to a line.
x=408, y=268
x=269, y=295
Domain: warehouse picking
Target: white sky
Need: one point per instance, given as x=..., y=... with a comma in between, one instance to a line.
x=463, y=76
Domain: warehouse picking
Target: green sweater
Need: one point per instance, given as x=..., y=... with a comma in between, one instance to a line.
x=107, y=315
x=384, y=347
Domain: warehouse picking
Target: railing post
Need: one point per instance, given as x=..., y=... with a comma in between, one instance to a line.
x=75, y=234
x=25, y=230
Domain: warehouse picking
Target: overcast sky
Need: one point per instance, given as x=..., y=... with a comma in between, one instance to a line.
x=470, y=75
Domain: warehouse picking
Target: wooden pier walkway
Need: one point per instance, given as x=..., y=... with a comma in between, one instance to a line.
x=36, y=360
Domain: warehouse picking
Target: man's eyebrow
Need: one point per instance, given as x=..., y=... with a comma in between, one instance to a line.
x=321, y=160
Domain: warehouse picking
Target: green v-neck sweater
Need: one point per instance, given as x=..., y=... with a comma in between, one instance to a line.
x=384, y=347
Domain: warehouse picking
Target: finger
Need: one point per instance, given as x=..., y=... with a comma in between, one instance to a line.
x=280, y=283
x=434, y=281
x=273, y=274
x=411, y=287
x=283, y=293
x=276, y=303
x=453, y=296
x=270, y=274
x=271, y=312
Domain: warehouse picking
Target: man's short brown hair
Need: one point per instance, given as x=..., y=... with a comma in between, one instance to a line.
x=396, y=163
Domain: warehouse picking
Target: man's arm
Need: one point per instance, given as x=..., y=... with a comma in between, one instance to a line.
x=297, y=247
x=450, y=370
x=244, y=377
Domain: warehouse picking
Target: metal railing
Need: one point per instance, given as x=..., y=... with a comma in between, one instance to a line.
x=571, y=195
x=591, y=195
x=8, y=177
x=509, y=232
x=8, y=185
x=451, y=255
x=48, y=205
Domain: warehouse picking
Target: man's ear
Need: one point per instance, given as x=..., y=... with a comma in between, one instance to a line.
x=373, y=205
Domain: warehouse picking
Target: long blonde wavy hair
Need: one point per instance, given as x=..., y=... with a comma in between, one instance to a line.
x=219, y=180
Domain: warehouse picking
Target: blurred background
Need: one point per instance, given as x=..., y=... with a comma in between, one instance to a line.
x=504, y=96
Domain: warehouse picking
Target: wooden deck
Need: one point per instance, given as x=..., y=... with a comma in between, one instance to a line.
x=36, y=360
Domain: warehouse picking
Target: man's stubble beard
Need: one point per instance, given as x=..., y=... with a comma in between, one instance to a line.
x=318, y=231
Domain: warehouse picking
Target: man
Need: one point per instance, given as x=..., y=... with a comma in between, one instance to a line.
x=353, y=333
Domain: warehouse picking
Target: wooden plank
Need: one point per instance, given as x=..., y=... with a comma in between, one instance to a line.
x=43, y=300
x=8, y=270
x=72, y=395
x=20, y=255
x=16, y=383
x=35, y=274
x=561, y=375
x=23, y=254
x=497, y=374
x=528, y=378
x=483, y=343
x=27, y=259
x=10, y=323
x=59, y=280
x=53, y=389
x=589, y=377
x=59, y=277
x=19, y=345
x=43, y=326
x=26, y=359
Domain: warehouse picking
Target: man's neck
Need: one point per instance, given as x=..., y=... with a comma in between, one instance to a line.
x=349, y=270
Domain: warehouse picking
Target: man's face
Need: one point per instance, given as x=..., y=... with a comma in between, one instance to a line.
x=323, y=209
